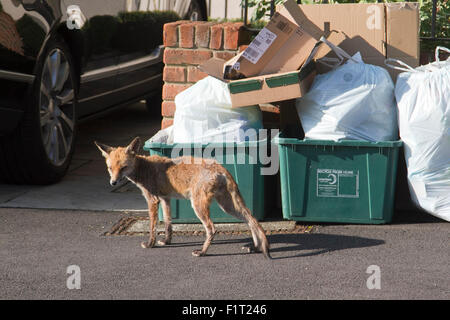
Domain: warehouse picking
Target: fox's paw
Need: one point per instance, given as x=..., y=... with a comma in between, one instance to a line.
x=249, y=248
x=197, y=253
x=146, y=245
x=163, y=242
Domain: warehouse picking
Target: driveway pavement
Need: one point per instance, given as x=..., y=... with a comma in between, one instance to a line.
x=44, y=230
x=86, y=186
x=37, y=247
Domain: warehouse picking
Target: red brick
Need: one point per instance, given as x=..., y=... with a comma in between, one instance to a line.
x=168, y=108
x=224, y=55
x=174, y=74
x=202, y=33
x=171, y=90
x=231, y=35
x=187, y=35
x=170, y=33
x=194, y=74
x=243, y=47
x=215, y=41
x=166, y=122
x=186, y=56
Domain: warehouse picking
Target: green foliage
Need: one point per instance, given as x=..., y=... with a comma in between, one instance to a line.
x=142, y=27
x=442, y=18
x=262, y=8
x=259, y=24
x=100, y=31
x=166, y=16
x=128, y=32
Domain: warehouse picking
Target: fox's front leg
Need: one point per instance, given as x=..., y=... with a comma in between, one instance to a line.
x=153, y=203
x=165, y=203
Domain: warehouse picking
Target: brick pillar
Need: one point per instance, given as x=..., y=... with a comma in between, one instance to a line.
x=188, y=44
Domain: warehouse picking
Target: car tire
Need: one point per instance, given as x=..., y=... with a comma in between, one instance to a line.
x=40, y=149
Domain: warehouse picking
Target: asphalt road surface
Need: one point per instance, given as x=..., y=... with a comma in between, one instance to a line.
x=409, y=261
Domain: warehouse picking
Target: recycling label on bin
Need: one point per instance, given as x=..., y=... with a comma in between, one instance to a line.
x=335, y=183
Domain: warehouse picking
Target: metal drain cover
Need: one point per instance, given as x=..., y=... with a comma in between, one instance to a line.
x=136, y=225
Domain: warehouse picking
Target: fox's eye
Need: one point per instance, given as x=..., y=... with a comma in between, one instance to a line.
x=123, y=168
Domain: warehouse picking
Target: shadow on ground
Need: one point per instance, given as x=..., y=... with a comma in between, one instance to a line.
x=284, y=246
x=316, y=244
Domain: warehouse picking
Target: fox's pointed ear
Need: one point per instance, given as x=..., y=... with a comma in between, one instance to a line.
x=105, y=150
x=134, y=145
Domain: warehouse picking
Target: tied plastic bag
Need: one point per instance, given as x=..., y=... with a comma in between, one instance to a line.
x=204, y=114
x=423, y=98
x=163, y=136
x=353, y=101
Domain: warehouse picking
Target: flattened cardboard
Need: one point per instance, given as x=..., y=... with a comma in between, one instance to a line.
x=294, y=13
x=377, y=30
x=362, y=22
x=403, y=31
x=287, y=52
x=263, y=48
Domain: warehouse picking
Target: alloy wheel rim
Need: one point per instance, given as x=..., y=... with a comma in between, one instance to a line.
x=56, y=107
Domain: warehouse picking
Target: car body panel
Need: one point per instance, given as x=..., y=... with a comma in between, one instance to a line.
x=118, y=58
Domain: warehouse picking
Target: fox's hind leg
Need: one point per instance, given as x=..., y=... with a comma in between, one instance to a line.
x=165, y=203
x=225, y=202
x=200, y=203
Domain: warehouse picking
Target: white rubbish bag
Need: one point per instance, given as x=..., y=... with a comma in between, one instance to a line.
x=203, y=114
x=423, y=98
x=354, y=101
x=163, y=136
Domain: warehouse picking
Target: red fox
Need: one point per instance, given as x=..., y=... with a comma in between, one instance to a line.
x=199, y=180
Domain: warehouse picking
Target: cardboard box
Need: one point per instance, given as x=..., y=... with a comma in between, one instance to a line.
x=271, y=88
x=283, y=69
x=282, y=46
x=266, y=88
x=377, y=30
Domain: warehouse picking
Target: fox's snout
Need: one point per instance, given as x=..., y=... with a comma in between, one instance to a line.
x=115, y=179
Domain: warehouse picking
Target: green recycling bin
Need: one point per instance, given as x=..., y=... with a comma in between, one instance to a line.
x=346, y=182
x=240, y=159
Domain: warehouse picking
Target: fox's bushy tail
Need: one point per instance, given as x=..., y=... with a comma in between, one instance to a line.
x=258, y=234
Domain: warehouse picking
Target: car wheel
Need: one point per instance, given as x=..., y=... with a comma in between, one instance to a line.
x=39, y=151
x=195, y=12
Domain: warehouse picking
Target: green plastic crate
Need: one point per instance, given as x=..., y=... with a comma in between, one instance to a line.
x=345, y=182
x=243, y=164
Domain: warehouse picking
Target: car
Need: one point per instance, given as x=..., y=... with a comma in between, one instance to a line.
x=62, y=62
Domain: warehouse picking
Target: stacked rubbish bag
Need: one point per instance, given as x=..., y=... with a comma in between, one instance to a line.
x=204, y=115
x=358, y=101
x=423, y=99
x=353, y=101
